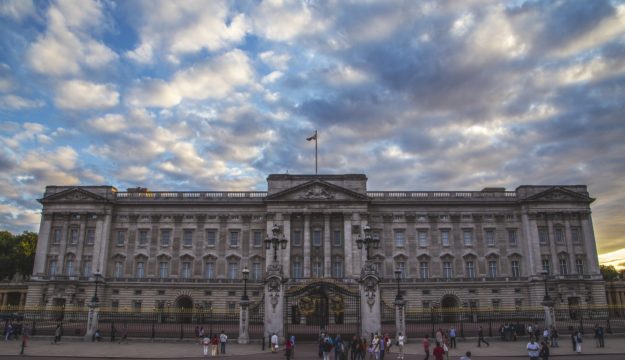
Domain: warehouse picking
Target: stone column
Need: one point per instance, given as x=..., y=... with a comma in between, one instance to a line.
x=92, y=320
x=41, y=257
x=274, y=302
x=590, y=245
x=286, y=253
x=549, y=313
x=371, y=320
x=348, y=245
x=306, y=246
x=327, y=246
x=103, y=234
x=400, y=317
x=244, y=336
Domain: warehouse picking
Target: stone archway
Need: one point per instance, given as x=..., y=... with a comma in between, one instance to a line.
x=449, y=306
x=184, y=307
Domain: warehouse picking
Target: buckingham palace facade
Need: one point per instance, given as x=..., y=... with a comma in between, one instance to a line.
x=491, y=248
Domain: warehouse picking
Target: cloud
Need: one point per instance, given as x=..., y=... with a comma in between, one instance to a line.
x=278, y=61
x=79, y=94
x=185, y=27
x=68, y=47
x=286, y=20
x=17, y=102
x=213, y=78
x=17, y=10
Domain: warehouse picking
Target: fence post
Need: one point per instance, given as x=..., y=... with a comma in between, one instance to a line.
x=462, y=323
x=153, y=320
x=490, y=323
x=181, y=331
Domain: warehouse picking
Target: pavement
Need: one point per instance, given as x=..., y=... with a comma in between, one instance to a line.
x=71, y=347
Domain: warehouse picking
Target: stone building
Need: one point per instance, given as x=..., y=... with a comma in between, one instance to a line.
x=475, y=249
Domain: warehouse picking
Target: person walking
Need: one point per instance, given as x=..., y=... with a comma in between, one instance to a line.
x=288, y=347
x=327, y=347
x=382, y=347
x=533, y=349
x=554, y=337
x=426, y=346
x=480, y=337
x=205, y=341
x=401, y=340
x=274, y=342
x=452, y=337
x=113, y=332
x=438, y=352
x=339, y=348
x=214, y=346
x=544, y=351
x=57, y=334
x=223, y=339
x=292, y=338
x=579, y=338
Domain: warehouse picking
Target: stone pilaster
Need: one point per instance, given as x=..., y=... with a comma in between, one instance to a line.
x=306, y=246
x=274, y=302
x=327, y=246
x=43, y=239
x=371, y=319
x=348, y=244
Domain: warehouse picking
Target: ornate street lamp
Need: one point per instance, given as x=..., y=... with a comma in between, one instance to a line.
x=275, y=241
x=97, y=275
x=398, y=297
x=547, y=298
x=246, y=274
x=368, y=242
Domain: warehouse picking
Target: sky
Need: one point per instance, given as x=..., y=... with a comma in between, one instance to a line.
x=211, y=95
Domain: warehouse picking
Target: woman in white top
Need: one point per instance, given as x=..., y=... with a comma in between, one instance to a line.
x=375, y=344
x=401, y=339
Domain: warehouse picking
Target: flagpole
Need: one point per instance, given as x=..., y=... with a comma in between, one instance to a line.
x=316, y=152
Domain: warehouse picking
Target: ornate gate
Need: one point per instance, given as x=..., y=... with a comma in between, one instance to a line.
x=321, y=305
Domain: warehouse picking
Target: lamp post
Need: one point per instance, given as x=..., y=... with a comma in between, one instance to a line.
x=400, y=319
x=547, y=298
x=548, y=303
x=246, y=274
x=275, y=241
x=97, y=276
x=398, y=297
x=368, y=242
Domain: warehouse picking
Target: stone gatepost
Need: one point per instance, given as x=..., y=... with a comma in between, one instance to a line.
x=274, y=302
x=92, y=320
x=244, y=321
x=370, y=302
x=550, y=319
x=400, y=317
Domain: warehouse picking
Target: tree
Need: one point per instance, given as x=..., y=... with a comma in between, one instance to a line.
x=17, y=254
x=608, y=272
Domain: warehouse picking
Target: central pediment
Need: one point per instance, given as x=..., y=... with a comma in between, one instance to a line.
x=317, y=190
x=73, y=195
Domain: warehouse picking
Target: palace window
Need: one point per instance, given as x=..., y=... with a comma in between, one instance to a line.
x=186, y=270
x=73, y=236
x=233, y=270
x=297, y=238
x=546, y=265
x=119, y=269
x=401, y=266
x=337, y=268
x=211, y=237
x=257, y=239
x=515, y=268
x=579, y=266
x=86, y=267
x=209, y=270
x=234, y=239
x=543, y=235
x=336, y=238
x=69, y=266
x=400, y=238
x=257, y=271
x=564, y=265
x=470, y=268
x=187, y=237
x=163, y=269
x=467, y=236
x=575, y=235
x=316, y=238
x=512, y=237
x=489, y=235
x=559, y=234
x=143, y=237
x=492, y=268
x=423, y=238
x=297, y=268
x=424, y=270
x=445, y=237
x=140, y=269
x=56, y=238
x=90, y=236
x=136, y=306
x=165, y=237
x=317, y=268
x=52, y=264
x=121, y=237
x=448, y=272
